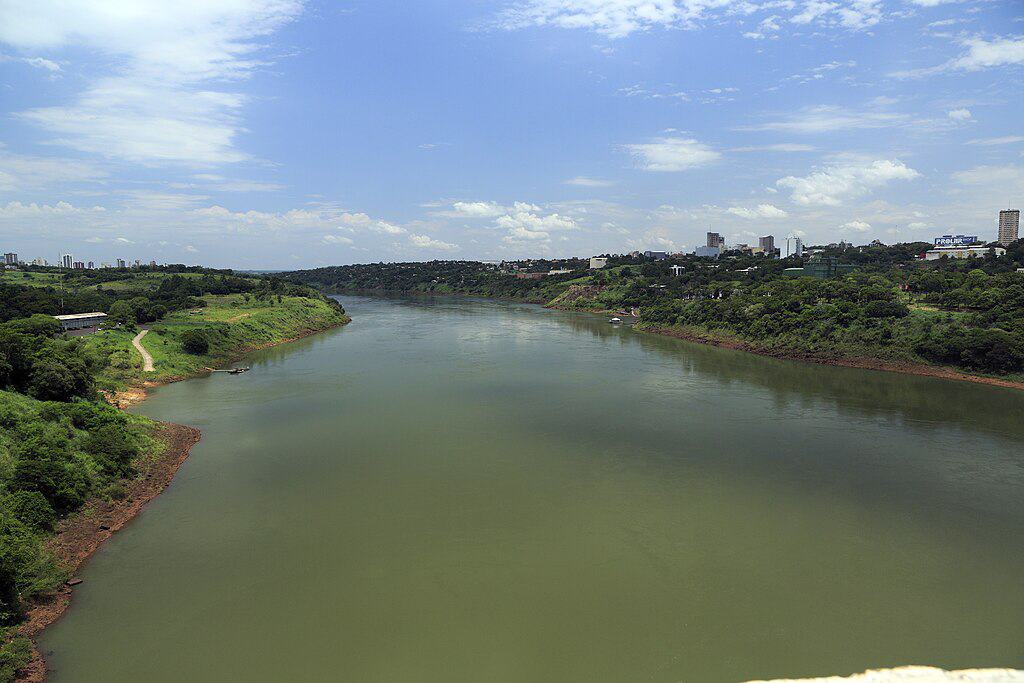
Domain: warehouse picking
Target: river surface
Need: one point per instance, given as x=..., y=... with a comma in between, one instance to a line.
x=466, y=490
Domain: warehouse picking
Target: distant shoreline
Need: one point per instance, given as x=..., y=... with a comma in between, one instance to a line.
x=862, y=363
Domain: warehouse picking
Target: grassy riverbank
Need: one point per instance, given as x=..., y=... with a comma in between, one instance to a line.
x=74, y=469
x=232, y=325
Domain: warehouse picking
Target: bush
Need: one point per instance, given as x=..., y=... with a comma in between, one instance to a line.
x=32, y=509
x=14, y=654
x=195, y=342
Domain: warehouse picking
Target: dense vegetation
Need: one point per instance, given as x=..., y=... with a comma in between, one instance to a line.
x=445, y=277
x=61, y=444
x=149, y=296
x=964, y=313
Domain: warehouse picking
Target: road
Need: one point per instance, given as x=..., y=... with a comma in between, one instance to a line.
x=147, y=360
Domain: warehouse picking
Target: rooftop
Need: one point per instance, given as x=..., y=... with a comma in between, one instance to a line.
x=79, y=316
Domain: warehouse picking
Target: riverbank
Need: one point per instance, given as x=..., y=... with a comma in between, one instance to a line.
x=571, y=302
x=860, y=362
x=82, y=534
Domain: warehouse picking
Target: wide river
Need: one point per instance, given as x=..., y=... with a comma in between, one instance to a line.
x=466, y=490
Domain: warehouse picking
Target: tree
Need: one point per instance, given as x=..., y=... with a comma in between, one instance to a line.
x=122, y=313
x=60, y=378
x=195, y=342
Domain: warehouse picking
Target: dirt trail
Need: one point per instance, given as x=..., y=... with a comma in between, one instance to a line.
x=147, y=360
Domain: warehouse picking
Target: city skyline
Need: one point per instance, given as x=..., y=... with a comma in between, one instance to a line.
x=284, y=134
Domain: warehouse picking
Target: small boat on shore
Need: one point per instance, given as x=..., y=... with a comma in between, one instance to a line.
x=232, y=371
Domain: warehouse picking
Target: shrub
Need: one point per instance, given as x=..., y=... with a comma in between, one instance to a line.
x=32, y=509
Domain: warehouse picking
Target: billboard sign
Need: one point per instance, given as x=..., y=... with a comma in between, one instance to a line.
x=955, y=240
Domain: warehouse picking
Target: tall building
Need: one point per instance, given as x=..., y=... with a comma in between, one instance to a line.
x=67, y=260
x=798, y=247
x=1009, y=226
x=11, y=259
x=767, y=244
x=715, y=240
x=91, y=265
x=121, y=263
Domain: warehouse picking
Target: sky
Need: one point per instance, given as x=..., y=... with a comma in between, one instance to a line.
x=282, y=134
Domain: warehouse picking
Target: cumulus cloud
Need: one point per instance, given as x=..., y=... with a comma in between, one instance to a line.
x=856, y=226
x=760, y=211
x=427, y=242
x=61, y=208
x=844, y=180
x=980, y=54
x=478, y=209
x=960, y=114
x=672, y=154
x=524, y=223
x=158, y=105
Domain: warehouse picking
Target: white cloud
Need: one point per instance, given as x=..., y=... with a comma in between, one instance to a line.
x=960, y=114
x=1009, y=177
x=157, y=106
x=582, y=181
x=843, y=180
x=672, y=154
x=761, y=211
x=20, y=172
x=856, y=226
x=1004, y=140
x=478, y=209
x=780, y=147
x=337, y=239
x=61, y=208
x=984, y=54
x=427, y=242
x=829, y=118
x=620, y=18
x=524, y=223
x=536, y=223
x=980, y=54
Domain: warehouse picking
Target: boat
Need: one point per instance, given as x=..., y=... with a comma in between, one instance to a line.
x=615, y=321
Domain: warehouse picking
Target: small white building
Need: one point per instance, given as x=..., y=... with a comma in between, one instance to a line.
x=559, y=271
x=78, y=321
x=598, y=262
x=677, y=270
x=962, y=252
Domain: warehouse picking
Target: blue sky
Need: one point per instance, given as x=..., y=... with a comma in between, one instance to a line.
x=283, y=133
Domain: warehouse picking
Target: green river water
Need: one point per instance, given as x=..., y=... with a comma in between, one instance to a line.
x=465, y=490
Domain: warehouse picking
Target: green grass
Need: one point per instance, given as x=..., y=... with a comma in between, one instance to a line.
x=32, y=279
x=234, y=325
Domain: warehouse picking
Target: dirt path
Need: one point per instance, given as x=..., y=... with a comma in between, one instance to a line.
x=147, y=360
